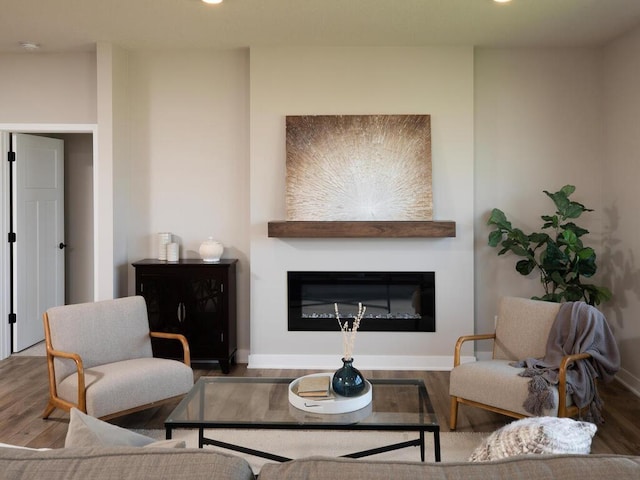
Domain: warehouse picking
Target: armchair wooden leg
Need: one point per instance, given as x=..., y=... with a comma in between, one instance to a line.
x=48, y=410
x=453, y=414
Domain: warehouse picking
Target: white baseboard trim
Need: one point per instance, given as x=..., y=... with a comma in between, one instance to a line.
x=362, y=362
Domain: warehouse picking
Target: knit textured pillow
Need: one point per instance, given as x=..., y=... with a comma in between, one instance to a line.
x=536, y=435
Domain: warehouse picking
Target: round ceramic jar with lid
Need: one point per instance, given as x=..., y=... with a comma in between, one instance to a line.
x=211, y=250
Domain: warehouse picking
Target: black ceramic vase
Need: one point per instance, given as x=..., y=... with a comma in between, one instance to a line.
x=348, y=381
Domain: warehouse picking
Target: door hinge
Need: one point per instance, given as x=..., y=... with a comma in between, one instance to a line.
x=12, y=318
x=11, y=156
x=222, y=288
x=12, y=237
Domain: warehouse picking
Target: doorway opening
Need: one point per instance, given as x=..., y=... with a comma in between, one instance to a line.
x=79, y=225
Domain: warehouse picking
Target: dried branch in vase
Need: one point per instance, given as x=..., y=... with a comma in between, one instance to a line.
x=349, y=332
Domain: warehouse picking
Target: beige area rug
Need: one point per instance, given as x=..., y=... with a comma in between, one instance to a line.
x=454, y=446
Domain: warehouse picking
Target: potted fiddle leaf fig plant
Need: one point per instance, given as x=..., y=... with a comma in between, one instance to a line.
x=560, y=256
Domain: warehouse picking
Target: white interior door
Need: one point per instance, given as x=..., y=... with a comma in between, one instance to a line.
x=38, y=273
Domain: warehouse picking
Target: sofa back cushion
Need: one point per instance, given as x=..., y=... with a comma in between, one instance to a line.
x=523, y=327
x=123, y=463
x=100, y=332
x=523, y=467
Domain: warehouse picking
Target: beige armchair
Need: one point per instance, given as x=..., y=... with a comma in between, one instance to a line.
x=522, y=330
x=100, y=359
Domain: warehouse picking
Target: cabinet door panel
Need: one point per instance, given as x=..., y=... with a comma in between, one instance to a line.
x=205, y=315
x=165, y=311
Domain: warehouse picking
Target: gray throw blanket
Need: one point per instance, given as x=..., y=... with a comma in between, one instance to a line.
x=578, y=328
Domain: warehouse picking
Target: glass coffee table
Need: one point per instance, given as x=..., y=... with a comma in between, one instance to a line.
x=263, y=404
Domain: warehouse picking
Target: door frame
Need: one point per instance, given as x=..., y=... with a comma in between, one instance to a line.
x=5, y=130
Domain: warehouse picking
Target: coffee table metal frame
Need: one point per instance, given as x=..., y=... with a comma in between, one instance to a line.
x=426, y=422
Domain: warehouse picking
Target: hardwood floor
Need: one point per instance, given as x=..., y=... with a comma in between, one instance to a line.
x=24, y=390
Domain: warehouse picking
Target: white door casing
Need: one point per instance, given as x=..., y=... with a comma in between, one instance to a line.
x=38, y=274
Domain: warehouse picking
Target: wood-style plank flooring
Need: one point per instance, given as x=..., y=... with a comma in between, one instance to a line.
x=24, y=390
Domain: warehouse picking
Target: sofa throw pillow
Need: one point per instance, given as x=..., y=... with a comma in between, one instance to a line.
x=87, y=431
x=536, y=435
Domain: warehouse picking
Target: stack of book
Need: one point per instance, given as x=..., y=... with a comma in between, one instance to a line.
x=316, y=387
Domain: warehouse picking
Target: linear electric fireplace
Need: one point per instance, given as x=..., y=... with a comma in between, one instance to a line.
x=395, y=301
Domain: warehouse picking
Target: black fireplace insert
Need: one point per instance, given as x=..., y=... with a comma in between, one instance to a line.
x=395, y=301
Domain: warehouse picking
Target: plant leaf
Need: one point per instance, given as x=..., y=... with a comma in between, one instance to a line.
x=573, y=293
x=551, y=221
x=520, y=251
x=560, y=199
x=574, y=210
x=499, y=219
x=579, y=231
x=520, y=237
x=525, y=267
x=569, y=238
x=587, y=268
x=557, y=279
x=495, y=238
x=538, y=238
x=586, y=253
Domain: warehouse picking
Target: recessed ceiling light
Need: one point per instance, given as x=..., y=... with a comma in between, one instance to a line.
x=212, y=2
x=502, y=1
x=30, y=46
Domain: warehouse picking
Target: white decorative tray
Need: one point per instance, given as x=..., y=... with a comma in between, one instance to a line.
x=335, y=404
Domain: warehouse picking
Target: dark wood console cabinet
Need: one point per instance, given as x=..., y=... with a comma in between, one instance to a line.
x=196, y=299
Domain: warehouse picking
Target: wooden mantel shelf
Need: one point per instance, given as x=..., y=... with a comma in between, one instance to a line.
x=362, y=229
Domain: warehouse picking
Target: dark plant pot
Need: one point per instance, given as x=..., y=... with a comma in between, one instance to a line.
x=348, y=381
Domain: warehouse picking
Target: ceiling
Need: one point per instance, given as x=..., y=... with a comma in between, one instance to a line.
x=76, y=25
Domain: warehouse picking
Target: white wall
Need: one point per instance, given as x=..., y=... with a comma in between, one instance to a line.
x=103, y=185
x=621, y=198
x=189, y=159
x=123, y=184
x=539, y=126
x=48, y=88
x=296, y=81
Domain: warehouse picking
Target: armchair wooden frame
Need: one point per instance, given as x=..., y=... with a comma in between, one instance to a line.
x=56, y=402
x=563, y=409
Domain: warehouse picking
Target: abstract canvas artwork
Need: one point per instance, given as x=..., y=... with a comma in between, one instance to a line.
x=359, y=168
